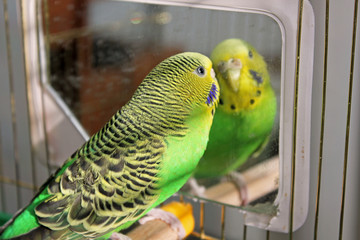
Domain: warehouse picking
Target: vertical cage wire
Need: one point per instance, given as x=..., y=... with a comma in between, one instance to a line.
x=201, y=223
x=322, y=126
x=2, y=190
x=28, y=99
x=44, y=15
x=244, y=232
x=296, y=90
x=222, y=234
x=1, y=180
x=19, y=5
x=348, y=117
x=12, y=101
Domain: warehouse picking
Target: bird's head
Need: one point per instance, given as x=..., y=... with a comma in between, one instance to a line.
x=242, y=75
x=183, y=82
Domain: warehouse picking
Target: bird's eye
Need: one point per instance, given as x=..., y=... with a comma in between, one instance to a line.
x=221, y=66
x=250, y=54
x=200, y=71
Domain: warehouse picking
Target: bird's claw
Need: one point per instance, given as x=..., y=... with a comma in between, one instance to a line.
x=238, y=179
x=195, y=188
x=119, y=236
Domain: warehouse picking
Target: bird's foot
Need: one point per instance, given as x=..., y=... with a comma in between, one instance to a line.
x=195, y=188
x=239, y=180
x=119, y=236
x=169, y=218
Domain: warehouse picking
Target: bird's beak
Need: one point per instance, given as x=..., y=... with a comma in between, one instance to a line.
x=230, y=71
x=213, y=75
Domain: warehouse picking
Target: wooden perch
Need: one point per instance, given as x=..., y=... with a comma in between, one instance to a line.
x=153, y=230
x=260, y=180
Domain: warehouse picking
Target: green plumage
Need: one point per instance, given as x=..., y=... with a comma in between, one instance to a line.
x=245, y=116
x=143, y=155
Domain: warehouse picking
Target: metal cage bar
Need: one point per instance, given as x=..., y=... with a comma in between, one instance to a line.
x=296, y=90
x=348, y=117
x=326, y=44
x=12, y=101
x=45, y=16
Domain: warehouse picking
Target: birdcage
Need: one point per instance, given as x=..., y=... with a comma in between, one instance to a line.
x=67, y=66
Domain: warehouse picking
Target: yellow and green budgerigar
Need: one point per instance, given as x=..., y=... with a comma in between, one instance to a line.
x=247, y=108
x=143, y=155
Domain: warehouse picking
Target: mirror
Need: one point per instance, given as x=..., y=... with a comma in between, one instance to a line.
x=101, y=50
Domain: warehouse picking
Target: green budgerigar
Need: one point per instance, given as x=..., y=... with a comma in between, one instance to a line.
x=143, y=155
x=247, y=108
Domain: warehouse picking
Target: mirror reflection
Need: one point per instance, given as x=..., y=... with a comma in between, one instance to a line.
x=101, y=50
